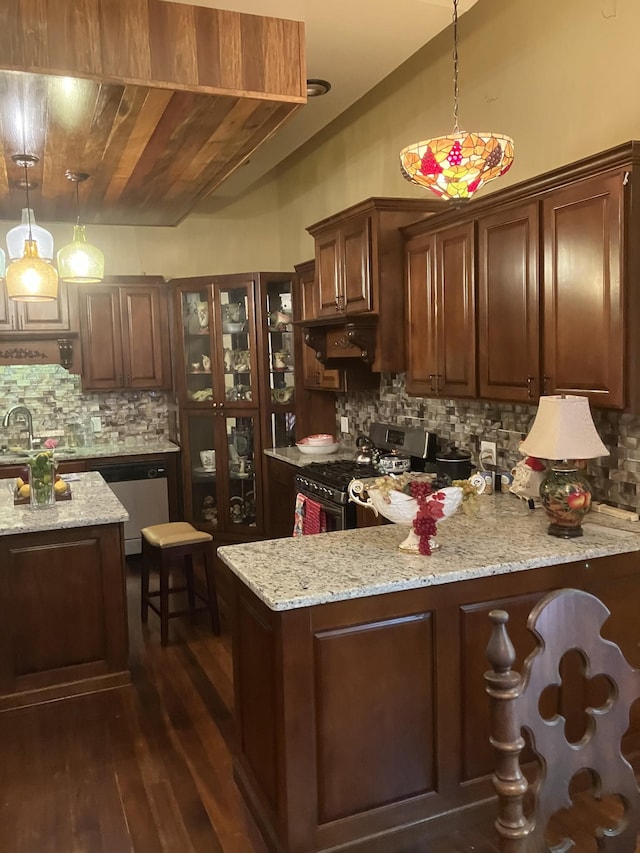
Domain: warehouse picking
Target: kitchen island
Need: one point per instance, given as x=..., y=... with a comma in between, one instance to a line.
x=360, y=703
x=63, y=604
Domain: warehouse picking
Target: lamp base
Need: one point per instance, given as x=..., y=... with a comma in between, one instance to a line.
x=566, y=496
x=564, y=532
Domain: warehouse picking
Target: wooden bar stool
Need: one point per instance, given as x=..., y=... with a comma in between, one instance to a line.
x=162, y=545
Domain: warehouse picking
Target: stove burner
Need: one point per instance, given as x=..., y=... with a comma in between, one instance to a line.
x=339, y=473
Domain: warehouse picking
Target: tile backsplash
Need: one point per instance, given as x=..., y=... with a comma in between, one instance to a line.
x=58, y=404
x=615, y=479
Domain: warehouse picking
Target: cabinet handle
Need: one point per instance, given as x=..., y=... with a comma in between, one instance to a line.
x=215, y=405
x=21, y=322
x=545, y=379
x=432, y=376
x=13, y=322
x=530, y=381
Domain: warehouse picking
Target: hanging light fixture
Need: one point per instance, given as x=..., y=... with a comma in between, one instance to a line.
x=19, y=233
x=30, y=278
x=455, y=166
x=79, y=262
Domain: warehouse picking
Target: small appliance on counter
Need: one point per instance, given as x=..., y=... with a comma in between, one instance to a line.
x=327, y=482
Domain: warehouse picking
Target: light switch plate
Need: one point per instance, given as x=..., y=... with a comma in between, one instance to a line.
x=344, y=424
x=96, y=424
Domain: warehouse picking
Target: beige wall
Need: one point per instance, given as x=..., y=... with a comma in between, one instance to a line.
x=560, y=76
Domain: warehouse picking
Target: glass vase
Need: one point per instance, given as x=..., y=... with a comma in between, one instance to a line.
x=42, y=476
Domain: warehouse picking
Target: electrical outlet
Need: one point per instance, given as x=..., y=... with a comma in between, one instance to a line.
x=488, y=453
x=344, y=424
x=96, y=424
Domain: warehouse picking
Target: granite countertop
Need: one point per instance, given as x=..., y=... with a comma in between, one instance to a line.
x=98, y=451
x=504, y=536
x=93, y=502
x=293, y=456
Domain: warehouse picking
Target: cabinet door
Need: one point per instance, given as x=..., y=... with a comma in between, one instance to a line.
x=315, y=376
x=203, y=456
x=422, y=356
x=145, y=337
x=455, y=299
x=329, y=270
x=46, y=316
x=356, y=266
x=234, y=339
x=508, y=304
x=101, y=338
x=583, y=299
x=50, y=316
x=8, y=310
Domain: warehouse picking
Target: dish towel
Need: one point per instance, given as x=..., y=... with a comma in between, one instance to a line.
x=298, y=515
x=315, y=520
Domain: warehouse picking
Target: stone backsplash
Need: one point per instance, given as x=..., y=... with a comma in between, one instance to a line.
x=60, y=407
x=466, y=422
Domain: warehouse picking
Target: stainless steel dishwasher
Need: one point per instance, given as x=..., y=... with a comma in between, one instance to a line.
x=141, y=487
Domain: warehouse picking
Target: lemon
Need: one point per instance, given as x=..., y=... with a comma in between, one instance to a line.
x=60, y=487
x=25, y=490
x=19, y=482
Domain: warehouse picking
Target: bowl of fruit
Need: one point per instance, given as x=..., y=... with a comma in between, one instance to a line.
x=410, y=500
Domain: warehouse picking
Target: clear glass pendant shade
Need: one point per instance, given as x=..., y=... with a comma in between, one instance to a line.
x=31, y=279
x=17, y=236
x=80, y=262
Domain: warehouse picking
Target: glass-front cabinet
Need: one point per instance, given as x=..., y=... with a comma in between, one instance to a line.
x=235, y=391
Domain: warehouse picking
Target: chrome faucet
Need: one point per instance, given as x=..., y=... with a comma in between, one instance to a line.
x=26, y=414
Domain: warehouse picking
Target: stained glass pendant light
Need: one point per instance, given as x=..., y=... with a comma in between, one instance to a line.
x=30, y=278
x=456, y=165
x=79, y=262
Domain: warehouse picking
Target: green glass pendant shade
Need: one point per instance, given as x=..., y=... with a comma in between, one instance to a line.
x=79, y=262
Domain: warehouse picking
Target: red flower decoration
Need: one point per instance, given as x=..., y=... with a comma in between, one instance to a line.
x=429, y=165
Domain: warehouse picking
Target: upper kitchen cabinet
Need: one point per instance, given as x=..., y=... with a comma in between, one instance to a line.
x=358, y=314
x=124, y=332
x=158, y=102
x=441, y=351
x=53, y=316
x=315, y=376
x=509, y=321
x=551, y=306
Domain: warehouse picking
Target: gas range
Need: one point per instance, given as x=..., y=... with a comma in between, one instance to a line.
x=329, y=480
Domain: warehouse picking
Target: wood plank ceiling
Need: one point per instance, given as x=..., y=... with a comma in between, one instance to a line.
x=157, y=127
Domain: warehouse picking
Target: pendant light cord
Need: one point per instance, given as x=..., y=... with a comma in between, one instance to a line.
x=26, y=187
x=77, y=183
x=455, y=66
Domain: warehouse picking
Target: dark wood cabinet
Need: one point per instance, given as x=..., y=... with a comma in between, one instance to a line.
x=363, y=723
x=315, y=376
x=359, y=313
x=281, y=501
x=550, y=299
x=557, y=258
x=124, y=330
x=508, y=304
x=584, y=307
x=441, y=345
x=235, y=370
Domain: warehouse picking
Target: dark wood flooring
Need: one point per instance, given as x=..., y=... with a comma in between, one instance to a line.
x=148, y=768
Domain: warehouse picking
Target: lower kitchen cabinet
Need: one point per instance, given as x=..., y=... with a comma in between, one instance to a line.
x=281, y=500
x=222, y=472
x=124, y=330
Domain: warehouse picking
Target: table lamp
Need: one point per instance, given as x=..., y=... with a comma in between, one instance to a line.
x=563, y=432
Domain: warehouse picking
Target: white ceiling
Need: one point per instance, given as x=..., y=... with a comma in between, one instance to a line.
x=353, y=44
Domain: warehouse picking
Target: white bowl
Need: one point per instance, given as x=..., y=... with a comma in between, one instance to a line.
x=317, y=449
x=230, y=328
x=319, y=438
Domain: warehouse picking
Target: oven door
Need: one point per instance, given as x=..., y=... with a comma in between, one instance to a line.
x=338, y=516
